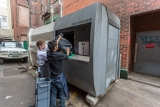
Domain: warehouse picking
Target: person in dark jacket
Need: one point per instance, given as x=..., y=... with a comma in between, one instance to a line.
x=58, y=82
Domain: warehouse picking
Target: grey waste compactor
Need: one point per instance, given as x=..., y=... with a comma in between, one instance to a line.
x=94, y=34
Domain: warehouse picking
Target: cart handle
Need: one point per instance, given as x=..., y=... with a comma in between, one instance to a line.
x=44, y=86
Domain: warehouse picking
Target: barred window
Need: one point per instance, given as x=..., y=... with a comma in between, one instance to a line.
x=4, y=19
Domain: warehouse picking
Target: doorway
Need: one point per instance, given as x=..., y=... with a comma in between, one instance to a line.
x=145, y=39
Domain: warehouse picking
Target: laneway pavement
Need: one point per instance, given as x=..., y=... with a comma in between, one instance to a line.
x=127, y=93
x=16, y=85
x=144, y=78
x=17, y=88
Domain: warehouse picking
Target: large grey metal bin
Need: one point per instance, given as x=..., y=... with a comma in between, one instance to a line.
x=43, y=86
x=94, y=34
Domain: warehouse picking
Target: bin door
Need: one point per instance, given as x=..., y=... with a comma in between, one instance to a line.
x=113, y=53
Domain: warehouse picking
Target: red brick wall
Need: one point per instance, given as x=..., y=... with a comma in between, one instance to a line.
x=123, y=9
x=21, y=19
x=20, y=15
x=22, y=2
x=35, y=17
x=147, y=22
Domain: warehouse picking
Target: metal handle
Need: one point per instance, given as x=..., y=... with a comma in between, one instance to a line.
x=135, y=55
x=41, y=86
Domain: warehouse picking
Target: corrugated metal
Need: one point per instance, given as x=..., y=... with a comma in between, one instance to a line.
x=112, y=58
x=147, y=59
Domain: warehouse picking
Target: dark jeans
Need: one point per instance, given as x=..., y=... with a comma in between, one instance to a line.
x=57, y=88
x=44, y=70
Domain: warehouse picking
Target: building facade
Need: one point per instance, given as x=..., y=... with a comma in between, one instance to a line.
x=45, y=11
x=32, y=14
x=20, y=19
x=135, y=16
x=6, y=31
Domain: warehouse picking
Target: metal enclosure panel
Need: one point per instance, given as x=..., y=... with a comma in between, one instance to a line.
x=29, y=49
x=119, y=57
x=100, y=50
x=79, y=73
x=80, y=17
x=113, y=19
x=46, y=33
x=112, y=59
x=147, y=59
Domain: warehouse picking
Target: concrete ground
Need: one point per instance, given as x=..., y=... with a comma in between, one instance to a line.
x=146, y=79
x=17, y=88
x=16, y=85
x=127, y=93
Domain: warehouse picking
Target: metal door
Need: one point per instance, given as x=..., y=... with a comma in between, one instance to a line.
x=147, y=53
x=113, y=53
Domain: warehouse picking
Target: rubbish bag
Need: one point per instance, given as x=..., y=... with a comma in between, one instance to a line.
x=63, y=44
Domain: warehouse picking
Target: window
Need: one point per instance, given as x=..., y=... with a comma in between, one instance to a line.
x=0, y=21
x=3, y=22
x=56, y=8
x=12, y=45
x=4, y=19
x=56, y=5
x=3, y=3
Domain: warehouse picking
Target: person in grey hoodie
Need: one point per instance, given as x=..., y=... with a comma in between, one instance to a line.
x=43, y=66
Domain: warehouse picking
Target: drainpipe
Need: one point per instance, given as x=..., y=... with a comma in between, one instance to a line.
x=29, y=7
x=60, y=2
x=17, y=16
x=52, y=11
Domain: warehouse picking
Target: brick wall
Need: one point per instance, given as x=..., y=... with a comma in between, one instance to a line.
x=20, y=18
x=124, y=9
x=147, y=22
x=35, y=17
x=127, y=10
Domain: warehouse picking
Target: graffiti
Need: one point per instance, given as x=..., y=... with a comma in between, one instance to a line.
x=150, y=39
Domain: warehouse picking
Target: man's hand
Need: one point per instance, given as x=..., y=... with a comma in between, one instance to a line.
x=68, y=51
x=59, y=38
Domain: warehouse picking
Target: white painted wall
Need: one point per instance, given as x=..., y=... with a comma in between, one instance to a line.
x=6, y=26
x=5, y=10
